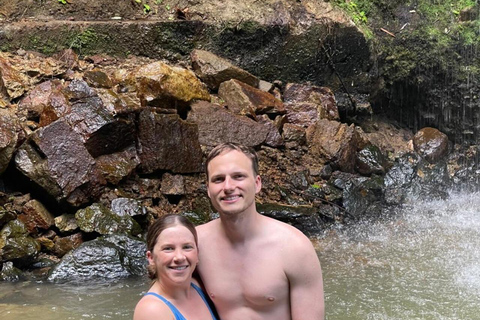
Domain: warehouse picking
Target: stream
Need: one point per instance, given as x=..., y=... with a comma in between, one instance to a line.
x=420, y=264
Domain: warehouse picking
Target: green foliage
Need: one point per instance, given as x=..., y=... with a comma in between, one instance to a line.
x=84, y=39
x=62, y=1
x=146, y=8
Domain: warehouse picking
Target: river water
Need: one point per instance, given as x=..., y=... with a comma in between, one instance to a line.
x=422, y=263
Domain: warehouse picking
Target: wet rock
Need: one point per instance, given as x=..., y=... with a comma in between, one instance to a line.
x=336, y=142
x=97, y=78
x=323, y=97
x=302, y=114
x=12, y=82
x=101, y=132
x=215, y=126
x=274, y=138
x=265, y=86
x=213, y=70
x=293, y=133
x=10, y=273
x=128, y=207
x=108, y=257
x=304, y=218
x=6, y=216
x=98, y=218
x=8, y=137
x=116, y=166
x=56, y=159
x=399, y=178
x=63, y=245
x=160, y=85
x=166, y=142
x=243, y=99
x=370, y=160
x=39, y=98
x=172, y=184
x=431, y=144
x=16, y=245
x=119, y=103
x=362, y=196
x=66, y=223
x=79, y=90
x=36, y=216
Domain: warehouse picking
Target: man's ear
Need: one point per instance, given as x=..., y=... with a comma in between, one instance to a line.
x=258, y=184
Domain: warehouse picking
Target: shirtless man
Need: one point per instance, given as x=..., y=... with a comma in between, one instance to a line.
x=254, y=267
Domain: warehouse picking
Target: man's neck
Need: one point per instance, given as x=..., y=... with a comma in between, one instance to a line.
x=240, y=227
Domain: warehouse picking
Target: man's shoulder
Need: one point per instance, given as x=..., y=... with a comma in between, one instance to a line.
x=285, y=231
x=207, y=228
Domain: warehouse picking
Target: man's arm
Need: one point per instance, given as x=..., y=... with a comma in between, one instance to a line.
x=306, y=283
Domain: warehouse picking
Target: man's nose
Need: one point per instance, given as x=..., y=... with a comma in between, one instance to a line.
x=228, y=184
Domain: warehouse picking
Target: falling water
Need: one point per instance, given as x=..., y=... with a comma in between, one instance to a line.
x=421, y=264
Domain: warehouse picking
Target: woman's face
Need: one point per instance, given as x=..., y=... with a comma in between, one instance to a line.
x=175, y=255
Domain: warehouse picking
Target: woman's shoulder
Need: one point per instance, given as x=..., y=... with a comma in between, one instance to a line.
x=151, y=307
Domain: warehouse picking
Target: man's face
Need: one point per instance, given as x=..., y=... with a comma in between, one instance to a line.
x=232, y=184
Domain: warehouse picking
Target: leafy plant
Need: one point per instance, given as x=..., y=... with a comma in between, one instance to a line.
x=146, y=8
x=63, y=1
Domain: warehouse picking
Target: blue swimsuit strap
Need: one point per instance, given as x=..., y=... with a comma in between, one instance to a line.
x=178, y=315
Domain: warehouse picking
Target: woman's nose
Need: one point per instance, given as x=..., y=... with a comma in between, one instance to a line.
x=179, y=256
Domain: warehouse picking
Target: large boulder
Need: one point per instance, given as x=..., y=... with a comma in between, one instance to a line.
x=336, y=142
x=98, y=218
x=322, y=97
x=213, y=70
x=431, y=144
x=160, y=85
x=8, y=137
x=108, y=257
x=166, y=142
x=217, y=125
x=56, y=159
x=243, y=99
x=101, y=132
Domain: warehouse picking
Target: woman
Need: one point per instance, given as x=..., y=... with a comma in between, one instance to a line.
x=172, y=257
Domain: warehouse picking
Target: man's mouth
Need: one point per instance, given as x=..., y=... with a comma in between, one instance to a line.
x=230, y=198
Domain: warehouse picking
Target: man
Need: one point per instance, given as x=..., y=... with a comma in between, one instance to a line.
x=254, y=267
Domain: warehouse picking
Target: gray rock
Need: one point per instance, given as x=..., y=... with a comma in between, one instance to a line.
x=109, y=257
x=128, y=207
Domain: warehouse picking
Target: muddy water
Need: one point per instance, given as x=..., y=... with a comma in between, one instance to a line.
x=422, y=264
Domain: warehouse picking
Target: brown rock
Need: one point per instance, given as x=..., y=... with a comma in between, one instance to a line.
x=172, y=184
x=68, y=57
x=66, y=223
x=39, y=98
x=293, y=133
x=116, y=166
x=243, y=99
x=166, y=142
x=335, y=142
x=119, y=103
x=65, y=244
x=160, y=85
x=274, y=138
x=323, y=97
x=431, y=144
x=213, y=70
x=8, y=137
x=36, y=216
x=12, y=82
x=302, y=113
x=217, y=125
x=98, y=79
x=56, y=159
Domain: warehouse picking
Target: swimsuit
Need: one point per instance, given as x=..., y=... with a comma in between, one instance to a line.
x=176, y=313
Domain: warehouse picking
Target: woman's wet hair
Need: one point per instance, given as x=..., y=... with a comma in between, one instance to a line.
x=162, y=223
x=230, y=146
